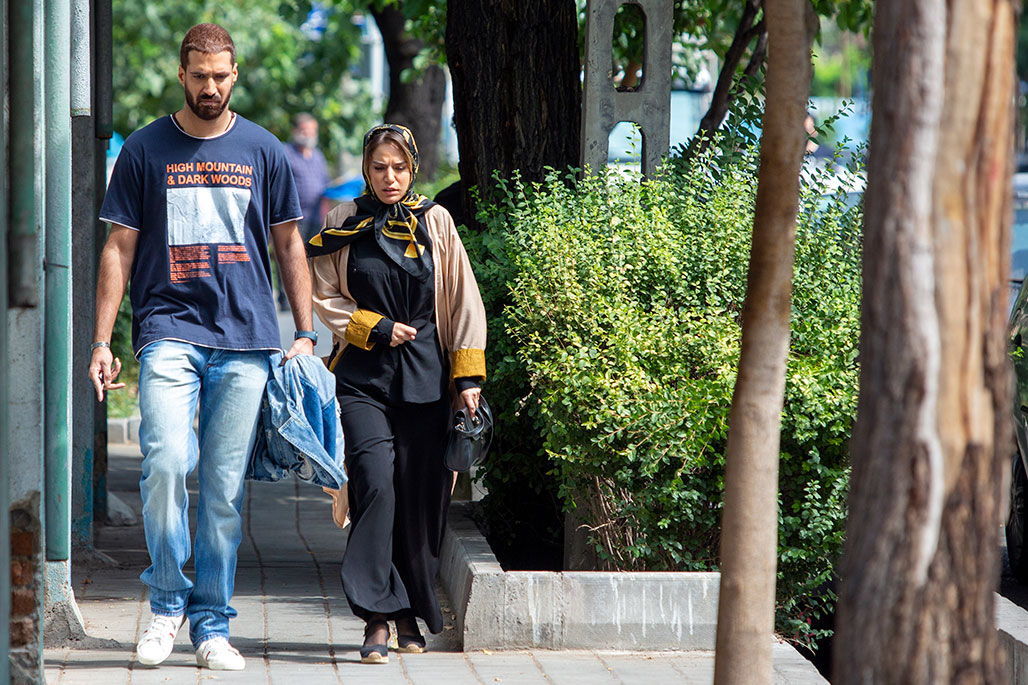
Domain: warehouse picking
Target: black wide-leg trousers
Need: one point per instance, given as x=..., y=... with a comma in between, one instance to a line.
x=399, y=492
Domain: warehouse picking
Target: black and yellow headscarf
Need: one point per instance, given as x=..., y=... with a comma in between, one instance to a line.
x=398, y=228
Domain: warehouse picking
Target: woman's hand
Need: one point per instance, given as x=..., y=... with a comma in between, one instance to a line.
x=469, y=399
x=401, y=334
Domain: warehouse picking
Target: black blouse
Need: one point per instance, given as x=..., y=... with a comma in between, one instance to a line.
x=413, y=371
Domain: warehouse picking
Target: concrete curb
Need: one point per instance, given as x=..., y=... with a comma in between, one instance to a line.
x=1012, y=624
x=498, y=610
x=571, y=610
x=123, y=431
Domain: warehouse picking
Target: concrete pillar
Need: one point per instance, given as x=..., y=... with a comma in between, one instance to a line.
x=89, y=417
x=24, y=321
x=62, y=620
x=648, y=106
x=5, y=537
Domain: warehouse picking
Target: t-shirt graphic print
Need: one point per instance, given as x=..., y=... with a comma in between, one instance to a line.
x=203, y=208
x=202, y=217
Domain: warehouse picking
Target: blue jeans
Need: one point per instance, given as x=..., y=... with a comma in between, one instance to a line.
x=229, y=385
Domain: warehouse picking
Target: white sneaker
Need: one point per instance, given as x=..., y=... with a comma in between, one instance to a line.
x=218, y=655
x=159, y=639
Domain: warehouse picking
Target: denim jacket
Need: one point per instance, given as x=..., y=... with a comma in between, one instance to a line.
x=298, y=429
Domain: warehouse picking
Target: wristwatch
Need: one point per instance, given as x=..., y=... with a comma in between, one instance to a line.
x=310, y=335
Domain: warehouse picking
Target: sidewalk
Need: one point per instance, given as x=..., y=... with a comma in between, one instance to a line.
x=294, y=625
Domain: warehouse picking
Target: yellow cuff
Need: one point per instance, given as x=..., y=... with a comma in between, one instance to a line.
x=468, y=363
x=359, y=328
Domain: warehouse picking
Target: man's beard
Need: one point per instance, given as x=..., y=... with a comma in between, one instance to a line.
x=207, y=109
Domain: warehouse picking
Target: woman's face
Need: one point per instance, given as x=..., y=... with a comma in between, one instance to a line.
x=388, y=172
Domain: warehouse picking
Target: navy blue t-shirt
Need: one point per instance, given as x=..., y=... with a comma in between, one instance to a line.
x=203, y=208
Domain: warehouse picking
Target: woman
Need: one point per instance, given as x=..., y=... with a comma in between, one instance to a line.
x=393, y=283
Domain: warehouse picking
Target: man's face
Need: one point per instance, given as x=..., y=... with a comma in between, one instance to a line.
x=208, y=81
x=306, y=134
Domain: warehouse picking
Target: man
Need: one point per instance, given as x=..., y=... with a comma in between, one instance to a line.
x=811, y=129
x=309, y=170
x=191, y=203
x=311, y=175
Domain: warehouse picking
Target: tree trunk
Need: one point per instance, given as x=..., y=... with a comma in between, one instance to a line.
x=418, y=105
x=749, y=532
x=921, y=559
x=516, y=88
x=749, y=29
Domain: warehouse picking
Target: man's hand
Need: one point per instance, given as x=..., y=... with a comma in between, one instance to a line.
x=401, y=334
x=103, y=371
x=115, y=267
x=469, y=399
x=300, y=346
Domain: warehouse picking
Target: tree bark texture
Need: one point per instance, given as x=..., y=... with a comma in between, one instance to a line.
x=749, y=29
x=418, y=104
x=921, y=559
x=516, y=88
x=749, y=550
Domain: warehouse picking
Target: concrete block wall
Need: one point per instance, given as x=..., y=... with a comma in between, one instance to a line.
x=590, y=610
x=648, y=105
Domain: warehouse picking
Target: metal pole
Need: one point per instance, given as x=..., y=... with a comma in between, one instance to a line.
x=57, y=337
x=83, y=274
x=5, y=499
x=104, y=103
x=81, y=60
x=103, y=115
x=22, y=238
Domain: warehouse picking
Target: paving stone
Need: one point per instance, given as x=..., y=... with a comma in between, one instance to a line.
x=351, y=670
x=510, y=668
x=574, y=667
x=431, y=668
x=632, y=667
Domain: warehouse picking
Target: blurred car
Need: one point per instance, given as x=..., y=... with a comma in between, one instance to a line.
x=1019, y=237
x=345, y=190
x=1017, y=517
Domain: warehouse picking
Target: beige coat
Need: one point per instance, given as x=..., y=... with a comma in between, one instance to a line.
x=459, y=313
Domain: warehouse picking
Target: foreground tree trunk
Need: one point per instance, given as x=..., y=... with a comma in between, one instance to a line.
x=417, y=104
x=921, y=561
x=749, y=530
x=517, y=92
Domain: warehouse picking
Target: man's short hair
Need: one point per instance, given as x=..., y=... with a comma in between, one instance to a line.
x=207, y=39
x=302, y=118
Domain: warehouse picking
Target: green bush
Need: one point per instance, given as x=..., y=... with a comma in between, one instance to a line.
x=614, y=308
x=124, y=402
x=523, y=516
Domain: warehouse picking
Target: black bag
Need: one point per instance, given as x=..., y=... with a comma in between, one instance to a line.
x=469, y=438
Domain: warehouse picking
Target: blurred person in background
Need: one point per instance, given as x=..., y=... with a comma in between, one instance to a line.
x=310, y=173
